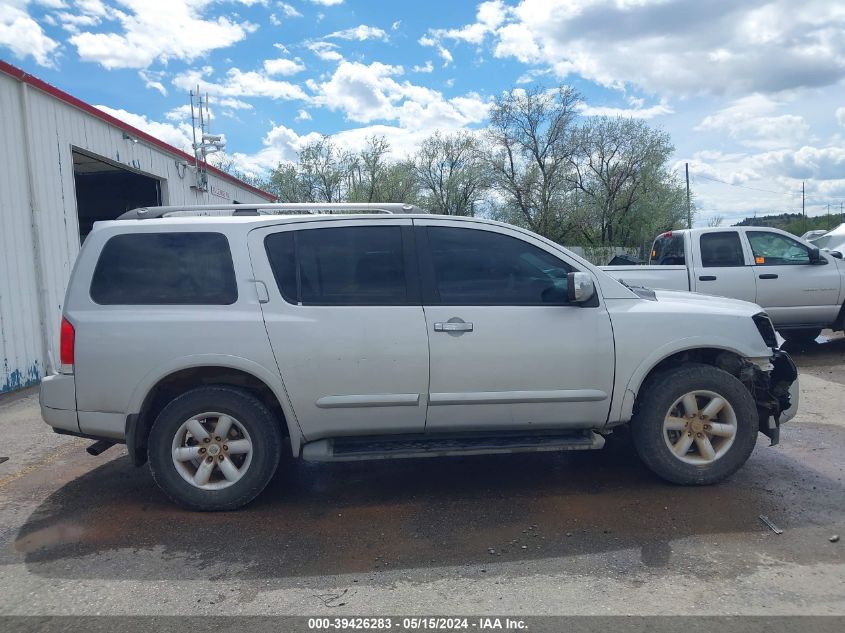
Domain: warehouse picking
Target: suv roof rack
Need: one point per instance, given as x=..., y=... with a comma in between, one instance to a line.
x=285, y=208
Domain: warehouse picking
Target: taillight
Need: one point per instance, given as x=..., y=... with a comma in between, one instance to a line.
x=66, y=342
x=667, y=234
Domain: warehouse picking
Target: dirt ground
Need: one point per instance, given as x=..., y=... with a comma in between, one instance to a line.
x=567, y=533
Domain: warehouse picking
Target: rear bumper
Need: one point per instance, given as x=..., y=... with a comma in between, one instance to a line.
x=57, y=397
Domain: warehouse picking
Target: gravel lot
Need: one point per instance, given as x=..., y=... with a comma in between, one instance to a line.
x=569, y=533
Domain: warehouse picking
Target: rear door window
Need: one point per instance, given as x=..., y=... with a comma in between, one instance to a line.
x=356, y=265
x=180, y=268
x=721, y=249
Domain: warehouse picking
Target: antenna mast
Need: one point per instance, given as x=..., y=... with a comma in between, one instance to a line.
x=208, y=143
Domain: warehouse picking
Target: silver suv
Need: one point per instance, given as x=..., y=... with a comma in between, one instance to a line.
x=207, y=338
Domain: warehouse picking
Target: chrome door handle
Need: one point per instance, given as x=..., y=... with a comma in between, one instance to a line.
x=450, y=326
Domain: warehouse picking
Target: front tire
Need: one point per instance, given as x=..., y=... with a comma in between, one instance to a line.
x=214, y=448
x=695, y=425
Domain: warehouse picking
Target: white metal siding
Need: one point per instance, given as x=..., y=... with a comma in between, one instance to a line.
x=20, y=343
x=55, y=128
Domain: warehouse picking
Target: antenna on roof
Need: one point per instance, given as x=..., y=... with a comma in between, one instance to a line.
x=208, y=143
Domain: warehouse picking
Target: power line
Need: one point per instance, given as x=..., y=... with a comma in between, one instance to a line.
x=816, y=202
x=732, y=184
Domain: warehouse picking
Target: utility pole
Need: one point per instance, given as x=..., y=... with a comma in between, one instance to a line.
x=828, y=217
x=689, y=208
x=803, y=210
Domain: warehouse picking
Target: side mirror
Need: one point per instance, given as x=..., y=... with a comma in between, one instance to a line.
x=579, y=287
x=816, y=256
x=836, y=254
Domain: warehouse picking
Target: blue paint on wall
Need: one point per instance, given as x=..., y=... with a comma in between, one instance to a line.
x=17, y=379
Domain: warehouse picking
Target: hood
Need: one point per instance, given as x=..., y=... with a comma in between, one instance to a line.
x=708, y=303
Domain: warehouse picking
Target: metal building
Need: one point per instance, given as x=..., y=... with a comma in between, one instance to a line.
x=64, y=164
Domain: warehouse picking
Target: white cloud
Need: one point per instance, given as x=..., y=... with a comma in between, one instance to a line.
x=22, y=35
x=367, y=93
x=360, y=33
x=234, y=104
x=637, y=111
x=284, y=67
x=425, y=68
x=177, y=135
x=445, y=54
x=326, y=51
x=684, y=47
x=840, y=116
x=152, y=80
x=156, y=30
x=753, y=121
x=73, y=22
x=303, y=115
x=489, y=16
x=288, y=10
x=327, y=3
x=239, y=83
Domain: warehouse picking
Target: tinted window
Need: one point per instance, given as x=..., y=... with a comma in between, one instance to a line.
x=360, y=265
x=473, y=267
x=280, y=252
x=668, y=250
x=721, y=249
x=771, y=249
x=165, y=269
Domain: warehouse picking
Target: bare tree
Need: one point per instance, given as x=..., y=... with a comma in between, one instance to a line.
x=532, y=132
x=324, y=171
x=451, y=173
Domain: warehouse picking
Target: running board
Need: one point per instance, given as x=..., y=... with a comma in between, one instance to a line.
x=346, y=449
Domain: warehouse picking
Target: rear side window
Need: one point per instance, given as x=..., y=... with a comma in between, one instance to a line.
x=356, y=265
x=668, y=250
x=721, y=249
x=165, y=269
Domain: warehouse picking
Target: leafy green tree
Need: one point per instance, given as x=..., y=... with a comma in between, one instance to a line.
x=620, y=171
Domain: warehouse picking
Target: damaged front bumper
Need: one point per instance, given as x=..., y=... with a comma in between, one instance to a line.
x=775, y=390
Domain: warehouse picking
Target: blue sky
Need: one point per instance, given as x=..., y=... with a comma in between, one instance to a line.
x=751, y=92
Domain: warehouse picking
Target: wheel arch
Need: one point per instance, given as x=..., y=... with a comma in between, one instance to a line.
x=720, y=356
x=157, y=390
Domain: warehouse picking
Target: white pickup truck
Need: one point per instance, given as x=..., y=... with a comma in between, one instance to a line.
x=801, y=287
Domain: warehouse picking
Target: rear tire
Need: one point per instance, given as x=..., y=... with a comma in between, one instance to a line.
x=214, y=448
x=695, y=425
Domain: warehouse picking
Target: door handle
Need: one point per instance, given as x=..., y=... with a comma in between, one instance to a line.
x=450, y=326
x=768, y=276
x=707, y=278
x=261, y=291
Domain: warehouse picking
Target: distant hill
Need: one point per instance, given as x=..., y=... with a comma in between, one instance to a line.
x=793, y=222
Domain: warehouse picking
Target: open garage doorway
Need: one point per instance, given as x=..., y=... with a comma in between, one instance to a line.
x=105, y=190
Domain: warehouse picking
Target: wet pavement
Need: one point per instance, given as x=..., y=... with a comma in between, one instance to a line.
x=579, y=532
